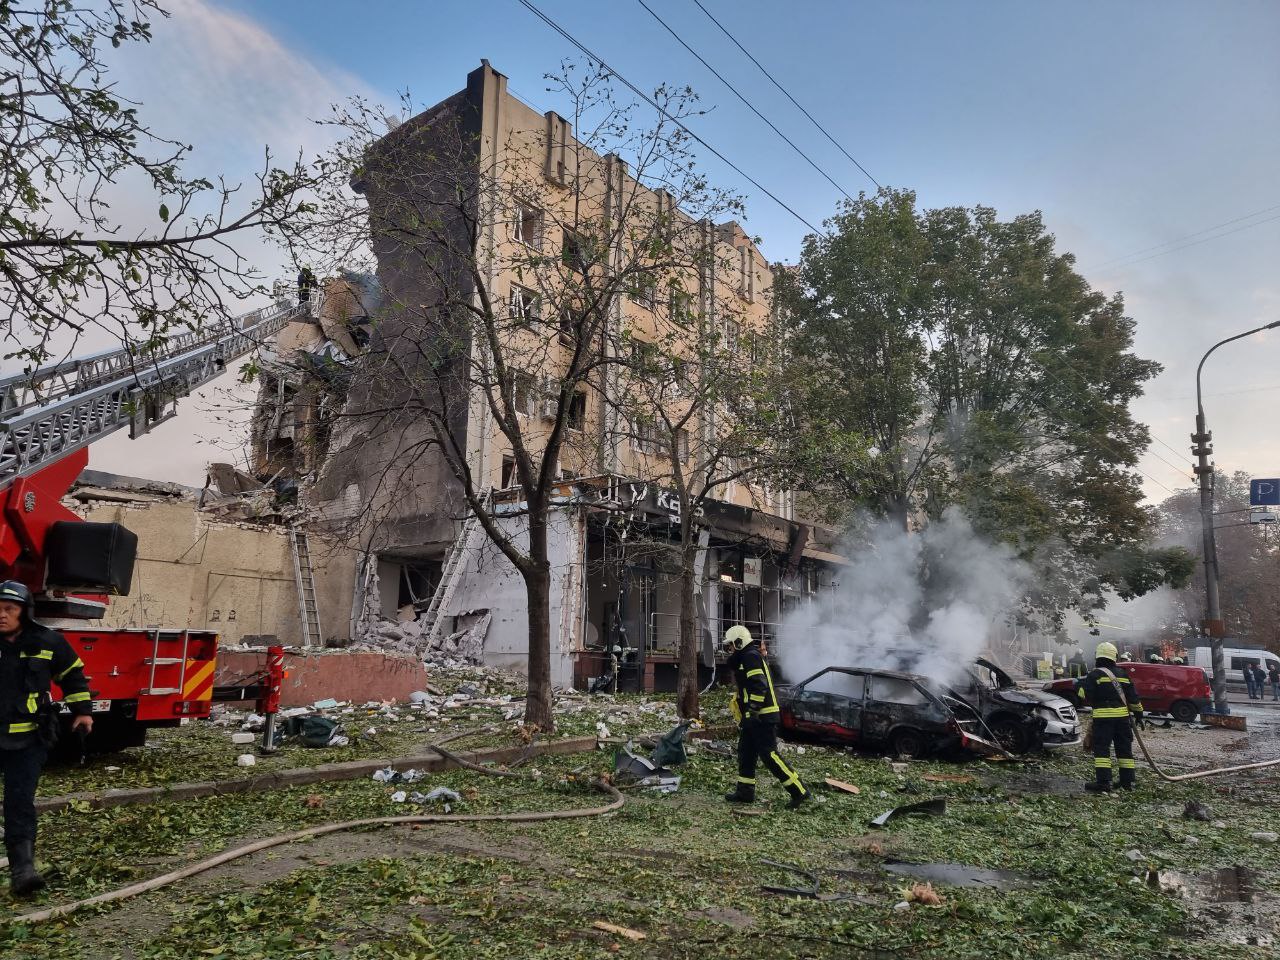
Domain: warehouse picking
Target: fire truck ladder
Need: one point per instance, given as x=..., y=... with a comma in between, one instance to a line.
x=56, y=410
x=463, y=547
x=304, y=576
x=155, y=660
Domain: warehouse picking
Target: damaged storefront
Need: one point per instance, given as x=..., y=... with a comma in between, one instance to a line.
x=615, y=592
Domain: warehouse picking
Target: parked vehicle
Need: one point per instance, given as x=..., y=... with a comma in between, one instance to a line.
x=1235, y=658
x=1179, y=691
x=1020, y=720
x=883, y=709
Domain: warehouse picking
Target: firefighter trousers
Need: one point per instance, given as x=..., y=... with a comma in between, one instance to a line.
x=1109, y=731
x=21, y=771
x=758, y=743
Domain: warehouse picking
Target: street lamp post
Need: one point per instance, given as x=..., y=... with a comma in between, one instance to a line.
x=1204, y=472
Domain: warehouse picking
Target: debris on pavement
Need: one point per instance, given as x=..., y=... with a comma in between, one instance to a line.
x=840, y=785
x=246, y=760
x=633, y=935
x=935, y=808
x=811, y=891
x=1195, y=810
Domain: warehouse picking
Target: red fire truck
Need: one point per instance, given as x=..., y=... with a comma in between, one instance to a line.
x=139, y=678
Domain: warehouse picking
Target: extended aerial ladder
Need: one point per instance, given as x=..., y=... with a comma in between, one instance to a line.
x=48, y=419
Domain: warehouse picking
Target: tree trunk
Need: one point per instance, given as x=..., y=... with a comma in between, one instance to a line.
x=687, y=678
x=537, y=705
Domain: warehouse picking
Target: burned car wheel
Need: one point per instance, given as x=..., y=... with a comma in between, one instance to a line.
x=909, y=743
x=1009, y=734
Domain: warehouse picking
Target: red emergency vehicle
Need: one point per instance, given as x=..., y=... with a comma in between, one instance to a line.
x=139, y=678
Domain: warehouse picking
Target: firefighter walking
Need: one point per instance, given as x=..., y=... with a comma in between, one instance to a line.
x=1110, y=691
x=755, y=706
x=31, y=656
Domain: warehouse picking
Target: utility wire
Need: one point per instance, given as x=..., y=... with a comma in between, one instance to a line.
x=1193, y=243
x=1174, y=449
x=1189, y=236
x=1182, y=471
x=786, y=93
x=653, y=103
x=747, y=103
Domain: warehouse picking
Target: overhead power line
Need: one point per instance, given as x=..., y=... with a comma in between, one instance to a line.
x=1174, y=449
x=653, y=103
x=787, y=94
x=747, y=103
x=1129, y=262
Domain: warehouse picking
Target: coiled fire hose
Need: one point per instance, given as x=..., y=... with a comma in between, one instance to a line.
x=146, y=886
x=1178, y=777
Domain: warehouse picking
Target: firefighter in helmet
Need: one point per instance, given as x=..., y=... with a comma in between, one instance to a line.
x=755, y=707
x=31, y=656
x=1109, y=690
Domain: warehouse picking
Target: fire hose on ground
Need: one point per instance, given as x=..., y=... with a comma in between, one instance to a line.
x=227, y=856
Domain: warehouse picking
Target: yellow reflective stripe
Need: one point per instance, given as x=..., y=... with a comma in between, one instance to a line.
x=1127, y=763
x=1103, y=680
x=757, y=670
x=756, y=696
x=1110, y=713
x=38, y=655
x=33, y=702
x=1102, y=763
x=1135, y=707
x=76, y=697
x=793, y=778
x=78, y=663
x=773, y=709
x=751, y=780
x=22, y=728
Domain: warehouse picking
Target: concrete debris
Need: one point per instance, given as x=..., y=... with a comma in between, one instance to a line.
x=419, y=697
x=242, y=738
x=328, y=704
x=901, y=906
x=399, y=797
x=1135, y=855
x=246, y=760
x=1265, y=836
x=1195, y=810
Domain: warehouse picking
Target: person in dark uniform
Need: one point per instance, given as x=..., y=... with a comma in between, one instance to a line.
x=31, y=657
x=1101, y=689
x=1076, y=666
x=755, y=705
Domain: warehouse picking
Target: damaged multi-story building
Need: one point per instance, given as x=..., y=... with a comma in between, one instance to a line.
x=504, y=207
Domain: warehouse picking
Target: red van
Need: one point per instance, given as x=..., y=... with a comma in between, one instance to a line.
x=1166, y=688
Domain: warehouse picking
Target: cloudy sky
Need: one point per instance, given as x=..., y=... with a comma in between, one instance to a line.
x=1147, y=133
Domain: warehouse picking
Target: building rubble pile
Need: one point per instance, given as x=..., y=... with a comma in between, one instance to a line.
x=411, y=634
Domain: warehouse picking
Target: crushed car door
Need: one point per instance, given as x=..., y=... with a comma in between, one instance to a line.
x=830, y=705
x=896, y=701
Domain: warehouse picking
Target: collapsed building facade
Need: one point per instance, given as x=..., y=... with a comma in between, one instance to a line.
x=376, y=471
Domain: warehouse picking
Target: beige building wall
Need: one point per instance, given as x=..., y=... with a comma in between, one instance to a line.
x=237, y=579
x=530, y=154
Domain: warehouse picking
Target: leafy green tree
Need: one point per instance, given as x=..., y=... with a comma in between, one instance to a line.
x=67, y=261
x=956, y=358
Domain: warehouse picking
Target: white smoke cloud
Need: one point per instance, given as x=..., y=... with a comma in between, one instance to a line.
x=926, y=603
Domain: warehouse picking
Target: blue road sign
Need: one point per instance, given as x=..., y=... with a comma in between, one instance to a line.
x=1264, y=493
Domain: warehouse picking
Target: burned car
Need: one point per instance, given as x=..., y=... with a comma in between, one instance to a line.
x=1020, y=720
x=882, y=709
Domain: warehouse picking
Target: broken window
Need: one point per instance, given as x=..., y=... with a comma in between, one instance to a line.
x=524, y=305
x=680, y=306
x=574, y=252
x=839, y=683
x=524, y=393
x=508, y=472
x=644, y=292
x=570, y=323
x=732, y=335
x=528, y=227
x=578, y=410
x=894, y=690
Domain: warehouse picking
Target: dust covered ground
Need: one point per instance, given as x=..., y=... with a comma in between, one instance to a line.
x=1021, y=864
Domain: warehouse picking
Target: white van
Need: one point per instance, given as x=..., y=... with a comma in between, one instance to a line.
x=1235, y=658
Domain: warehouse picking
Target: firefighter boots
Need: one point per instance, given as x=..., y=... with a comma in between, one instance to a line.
x=24, y=880
x=798, y=797
x=742, y=793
